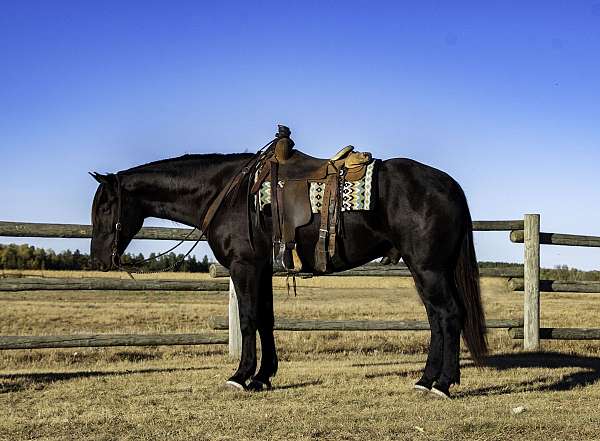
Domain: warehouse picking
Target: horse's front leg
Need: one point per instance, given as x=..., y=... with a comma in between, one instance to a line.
x=268, y=361
x=245, y=278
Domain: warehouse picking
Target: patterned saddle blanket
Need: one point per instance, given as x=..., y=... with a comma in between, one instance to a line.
x=357, y=195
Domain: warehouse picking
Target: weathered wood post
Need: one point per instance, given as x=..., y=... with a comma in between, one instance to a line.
x=235, y=334
x=531, y=297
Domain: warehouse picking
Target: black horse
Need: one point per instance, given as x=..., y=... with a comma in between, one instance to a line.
x=420, y=214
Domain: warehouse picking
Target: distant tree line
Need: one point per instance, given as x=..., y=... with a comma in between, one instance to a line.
x=29, y=257
x=559, y=272
x=563, y=272
x=500, y=265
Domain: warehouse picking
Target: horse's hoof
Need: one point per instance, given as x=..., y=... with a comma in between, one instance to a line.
x=423, y=386
x=258, y=386
x=440, y=392
x=231, y=384
x=420, y=389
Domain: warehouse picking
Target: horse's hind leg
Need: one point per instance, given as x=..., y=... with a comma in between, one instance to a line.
x=268, y=361
x=433, y=366
x=438, y=291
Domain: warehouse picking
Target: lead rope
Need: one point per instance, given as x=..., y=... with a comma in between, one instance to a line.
x=175, y=265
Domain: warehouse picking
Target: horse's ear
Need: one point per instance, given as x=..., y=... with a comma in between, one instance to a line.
x=102, y=179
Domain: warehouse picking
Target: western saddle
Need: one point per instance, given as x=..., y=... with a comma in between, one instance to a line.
x=290, y=173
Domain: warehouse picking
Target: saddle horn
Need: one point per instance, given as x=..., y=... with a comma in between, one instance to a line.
x=285, y=144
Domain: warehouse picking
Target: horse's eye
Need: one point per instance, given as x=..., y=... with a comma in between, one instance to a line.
x=105, y=210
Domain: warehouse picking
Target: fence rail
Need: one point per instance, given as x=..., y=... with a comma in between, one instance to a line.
x=76, y=231
x=494, y=225
x=572, y=240
x=560, y=333
x=105, y=340
x=98, y=284
x=221, y=323
x=377, y=270
x=518, y=284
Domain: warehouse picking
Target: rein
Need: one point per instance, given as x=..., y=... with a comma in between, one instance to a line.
x=207, y=218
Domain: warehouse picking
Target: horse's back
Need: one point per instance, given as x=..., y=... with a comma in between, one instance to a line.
x=419, y=211
x=423, y=206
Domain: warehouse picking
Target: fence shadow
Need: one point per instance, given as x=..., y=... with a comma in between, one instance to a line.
x=39, y=380
x=588, y=374
x=299, y=385
x=404, y=373
x=388, y=363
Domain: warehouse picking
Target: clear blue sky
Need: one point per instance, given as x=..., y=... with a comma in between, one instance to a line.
x=504, y=96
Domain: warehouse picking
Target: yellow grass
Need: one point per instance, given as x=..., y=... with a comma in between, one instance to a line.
x=331, y=385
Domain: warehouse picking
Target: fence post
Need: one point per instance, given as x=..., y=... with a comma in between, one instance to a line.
x=235, y=334
x=531, y=297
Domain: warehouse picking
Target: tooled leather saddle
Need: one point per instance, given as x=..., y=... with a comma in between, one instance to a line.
x=290, y=173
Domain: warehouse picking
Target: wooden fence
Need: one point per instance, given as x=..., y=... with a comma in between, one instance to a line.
x=525, y=231
x=531, y=284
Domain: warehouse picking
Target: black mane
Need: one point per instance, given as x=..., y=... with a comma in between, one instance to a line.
x=204, y=159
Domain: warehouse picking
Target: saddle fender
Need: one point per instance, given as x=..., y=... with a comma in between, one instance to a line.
x=296, y=208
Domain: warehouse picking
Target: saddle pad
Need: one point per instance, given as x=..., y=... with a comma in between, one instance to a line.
x=357, y=195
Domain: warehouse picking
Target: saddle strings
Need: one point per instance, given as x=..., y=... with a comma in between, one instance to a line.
x=287, y=282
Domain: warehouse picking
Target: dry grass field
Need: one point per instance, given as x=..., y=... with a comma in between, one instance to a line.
x=330, y=386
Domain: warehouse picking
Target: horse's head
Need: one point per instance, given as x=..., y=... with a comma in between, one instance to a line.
x=116, y=218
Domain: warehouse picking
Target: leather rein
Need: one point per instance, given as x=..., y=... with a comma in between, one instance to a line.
x=207, y=217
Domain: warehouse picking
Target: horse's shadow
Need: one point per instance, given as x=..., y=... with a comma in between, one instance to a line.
x=587, y=374
x=39, y=380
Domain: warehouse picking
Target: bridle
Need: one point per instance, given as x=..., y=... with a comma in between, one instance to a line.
x=207, y=217
x=115, y=258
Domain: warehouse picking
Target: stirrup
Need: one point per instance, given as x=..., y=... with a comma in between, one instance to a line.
x=278, y=253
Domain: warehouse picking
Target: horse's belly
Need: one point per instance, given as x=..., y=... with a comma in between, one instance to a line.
x=360, y=239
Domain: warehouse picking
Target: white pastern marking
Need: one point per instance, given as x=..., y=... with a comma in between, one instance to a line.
x=439, y=393
x=420, y=388
x=234, y=384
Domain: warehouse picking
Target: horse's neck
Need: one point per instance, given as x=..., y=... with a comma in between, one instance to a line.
x=183, y=196
x=183, y=208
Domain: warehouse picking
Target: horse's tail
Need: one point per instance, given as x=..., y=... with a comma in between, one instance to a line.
x=467, y=283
